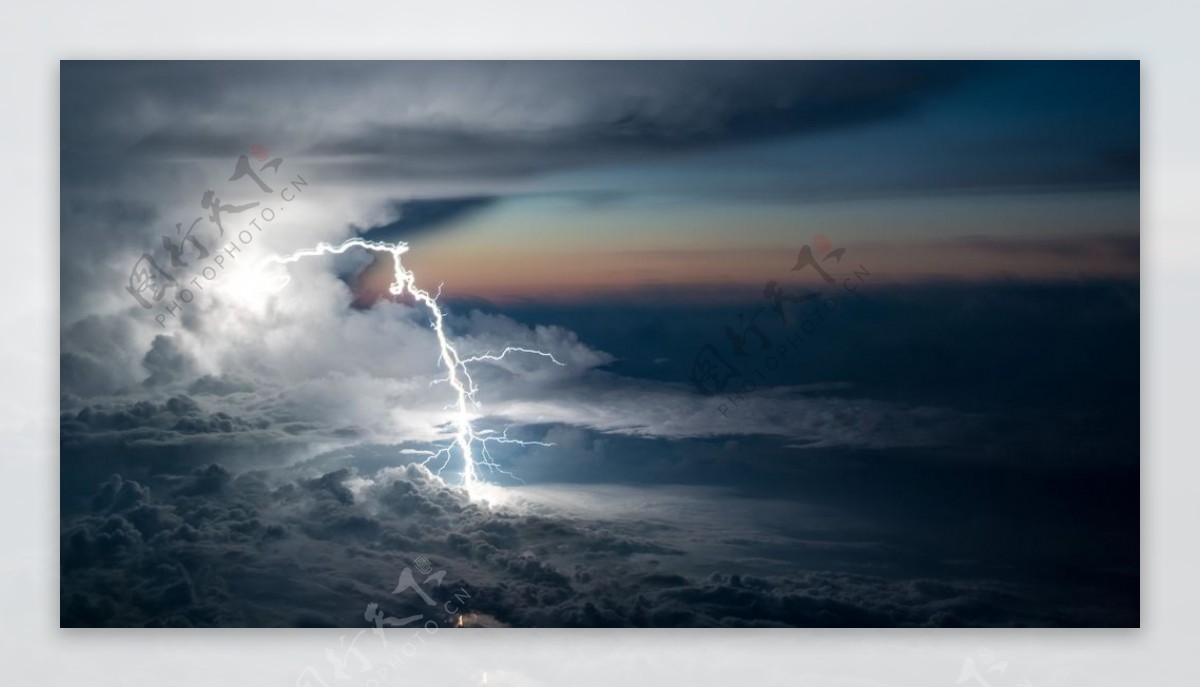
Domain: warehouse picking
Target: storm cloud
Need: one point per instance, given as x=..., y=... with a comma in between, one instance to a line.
x=209, y=548
x=956, y=444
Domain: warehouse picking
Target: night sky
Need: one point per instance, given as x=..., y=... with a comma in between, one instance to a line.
x=944, y=432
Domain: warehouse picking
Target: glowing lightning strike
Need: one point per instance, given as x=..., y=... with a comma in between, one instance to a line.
x=458, y=376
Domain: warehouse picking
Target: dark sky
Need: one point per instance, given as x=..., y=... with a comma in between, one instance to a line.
x=954, y=442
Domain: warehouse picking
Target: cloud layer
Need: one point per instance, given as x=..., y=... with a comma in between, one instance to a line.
x=213, y=549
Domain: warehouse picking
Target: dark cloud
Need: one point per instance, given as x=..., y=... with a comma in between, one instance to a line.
x=224, y=551
x=601, y=109
x=415, y=217
x=167, y=362
x=636, y=112
x=139, y=438
x=211, y=479
x=177, y=416
x=493, y=123
x=219, y=385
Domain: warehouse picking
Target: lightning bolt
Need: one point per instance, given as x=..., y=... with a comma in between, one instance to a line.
x=466, y=438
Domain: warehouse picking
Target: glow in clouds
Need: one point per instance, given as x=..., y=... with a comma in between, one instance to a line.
x=465, y=406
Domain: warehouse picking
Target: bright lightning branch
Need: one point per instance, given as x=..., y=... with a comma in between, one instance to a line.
x=470, y=443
